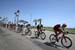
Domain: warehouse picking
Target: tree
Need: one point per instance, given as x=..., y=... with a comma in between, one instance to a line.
x=4, y=20
x=0, y=21
x=23, y=21
x=0, y=17
x=35, y=21
x=40, y=20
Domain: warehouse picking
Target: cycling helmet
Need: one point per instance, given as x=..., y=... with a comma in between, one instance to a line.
x=64, y=25
x=28, y=25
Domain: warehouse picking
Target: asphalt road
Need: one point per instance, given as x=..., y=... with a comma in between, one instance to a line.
x=10, y=40
x=57, y=45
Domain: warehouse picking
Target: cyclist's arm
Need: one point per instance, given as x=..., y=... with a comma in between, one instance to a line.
x=41, y=27
x=64, y=31
x=61, y=30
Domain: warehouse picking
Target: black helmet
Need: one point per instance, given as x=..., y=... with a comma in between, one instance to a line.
x=28, y=25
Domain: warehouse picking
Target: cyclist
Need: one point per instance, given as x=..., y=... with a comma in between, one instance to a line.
x=39, y=28
x=28, y=26
x=58, y=29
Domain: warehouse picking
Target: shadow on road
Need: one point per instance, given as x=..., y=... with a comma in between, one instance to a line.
x=34, y=38
x=53, y=45
x=45, y=47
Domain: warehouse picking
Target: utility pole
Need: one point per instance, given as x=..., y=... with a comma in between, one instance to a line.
x=17, y=18
x=35, y=21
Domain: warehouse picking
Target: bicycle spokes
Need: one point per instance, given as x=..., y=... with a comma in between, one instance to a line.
x=65, y=40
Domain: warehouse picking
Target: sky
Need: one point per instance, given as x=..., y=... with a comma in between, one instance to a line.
x=52, y=12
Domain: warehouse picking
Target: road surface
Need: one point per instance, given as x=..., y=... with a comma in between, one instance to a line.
x=58, y=45
x=10, y=40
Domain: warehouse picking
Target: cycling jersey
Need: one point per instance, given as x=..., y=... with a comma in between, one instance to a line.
x=39, y=26
x=58, y=29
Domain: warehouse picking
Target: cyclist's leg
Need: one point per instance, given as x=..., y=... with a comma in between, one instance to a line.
x=38, y=32
x=41, y=30
x=61, y=33
x=56, y=35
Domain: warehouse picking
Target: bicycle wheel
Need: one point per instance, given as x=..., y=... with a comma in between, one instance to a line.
x=52, y=38
x=29, y=32
x=43, y=36
x=26, y=32
x=66, y=42
x=36, y=34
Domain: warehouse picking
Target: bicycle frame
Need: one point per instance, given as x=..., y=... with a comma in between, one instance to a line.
x=63, y=35
x=63, y=38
